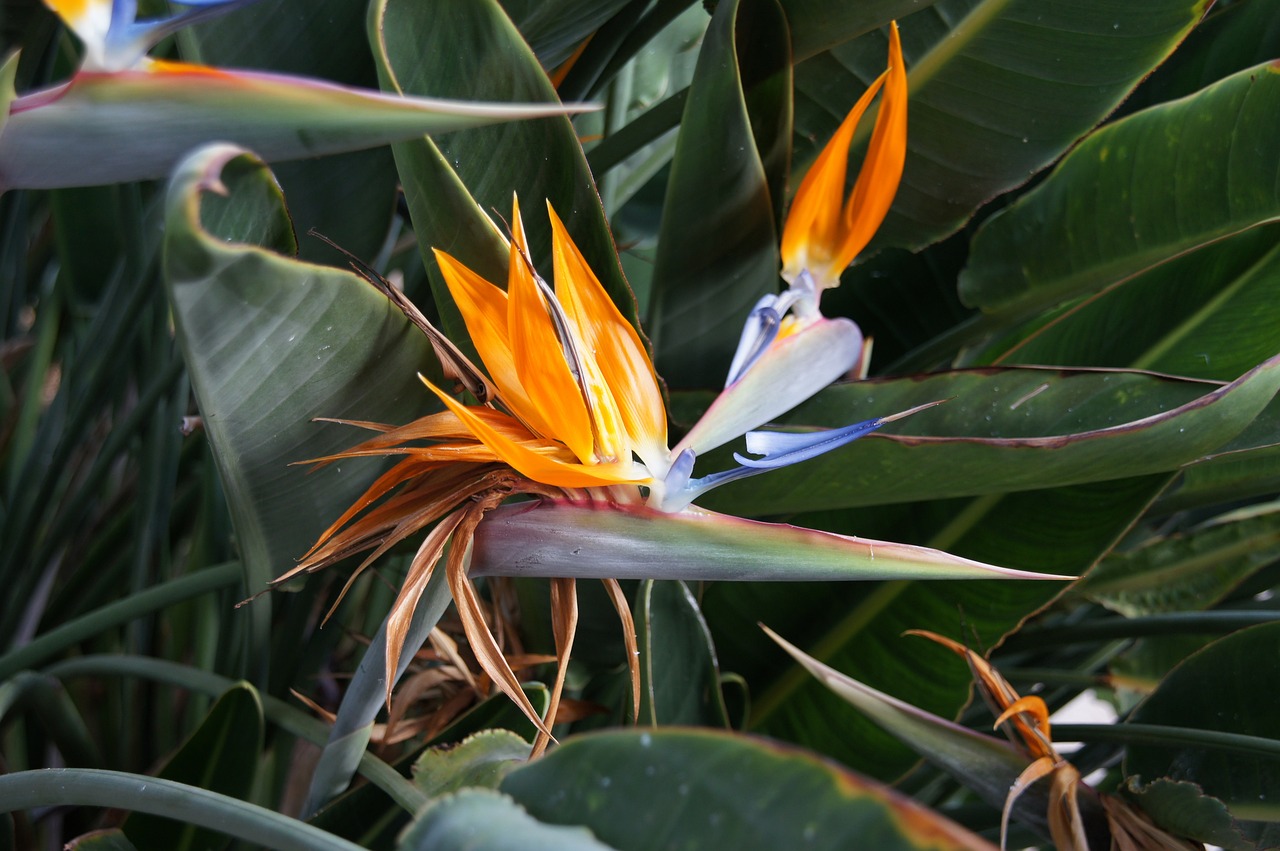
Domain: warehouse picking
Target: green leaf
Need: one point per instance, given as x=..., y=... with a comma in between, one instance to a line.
x=679, y=675
x=482, y=820
x=281, y=714
x=272, y=343
x=220, y=756
x=1226, y=687
x=85, y=133
x=469, y=49
x=156, y=598
x=857, y=628
x=1182, y=808
x=85, y=787
x=554, y=28
x=367, y=693
x=687, y=788
x=1003, y=430
x=718, y=244
x=1233, y=37
x=998, y=90
x=985, y=764
x=497, y=712
x=1195, y=570
x=1227, y=476
x=480, y=760
x=1209, y=314
x=348, y=197
x=1096, y=220
x=817, y=26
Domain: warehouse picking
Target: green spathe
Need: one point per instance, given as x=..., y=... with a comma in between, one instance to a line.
x=558, y=538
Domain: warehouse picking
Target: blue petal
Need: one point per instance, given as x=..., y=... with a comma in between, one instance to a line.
x=132, y=38
x=783, y=448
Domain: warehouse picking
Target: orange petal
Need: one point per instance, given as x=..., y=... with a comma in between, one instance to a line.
x=533, y=457
x=1031, y=705
x=882, y=169
x=620, y=361
x=812, y=232
x=540, y=357
x=484, y=307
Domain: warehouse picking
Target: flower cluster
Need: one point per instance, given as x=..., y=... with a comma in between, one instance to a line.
x=568, y=406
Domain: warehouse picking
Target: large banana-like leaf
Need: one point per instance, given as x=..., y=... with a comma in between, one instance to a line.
x=718, y=245
x=1212, y=157
x=1005, y=430
x=454, y=185
x=347, y=197
x=1214, y=313
x=998, y=90
x=1192, y=570
x=271, y=343
x=857, y=627
x=817, y=25
x=555, y=28
x=698, y=788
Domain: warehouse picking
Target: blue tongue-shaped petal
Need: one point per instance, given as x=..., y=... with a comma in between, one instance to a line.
x=128, y=40
x=778, y=448
x=781, y=448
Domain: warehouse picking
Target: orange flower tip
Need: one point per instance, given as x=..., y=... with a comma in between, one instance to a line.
x=824, y=231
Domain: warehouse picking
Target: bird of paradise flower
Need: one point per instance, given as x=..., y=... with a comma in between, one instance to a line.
x=569, y=411
x=84, y=131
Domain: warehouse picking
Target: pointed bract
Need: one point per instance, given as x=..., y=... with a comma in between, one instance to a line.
x=823, y=231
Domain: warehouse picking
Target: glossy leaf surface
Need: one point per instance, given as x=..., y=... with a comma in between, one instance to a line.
x=1214, y=149
x=715, y=789
x=717, y=250
x=1005, y=430
x=998, y=90
x=252, y=321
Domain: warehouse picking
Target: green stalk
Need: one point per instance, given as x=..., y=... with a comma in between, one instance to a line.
x=120, y=612
x=1164, y=736
x=49, y=787
x=1174, y=623
x=278, y=712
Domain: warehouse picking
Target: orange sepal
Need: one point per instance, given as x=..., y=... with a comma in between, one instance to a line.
x=535, y=457
x=620, y=356
x=823, y=233
x=539, y=353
